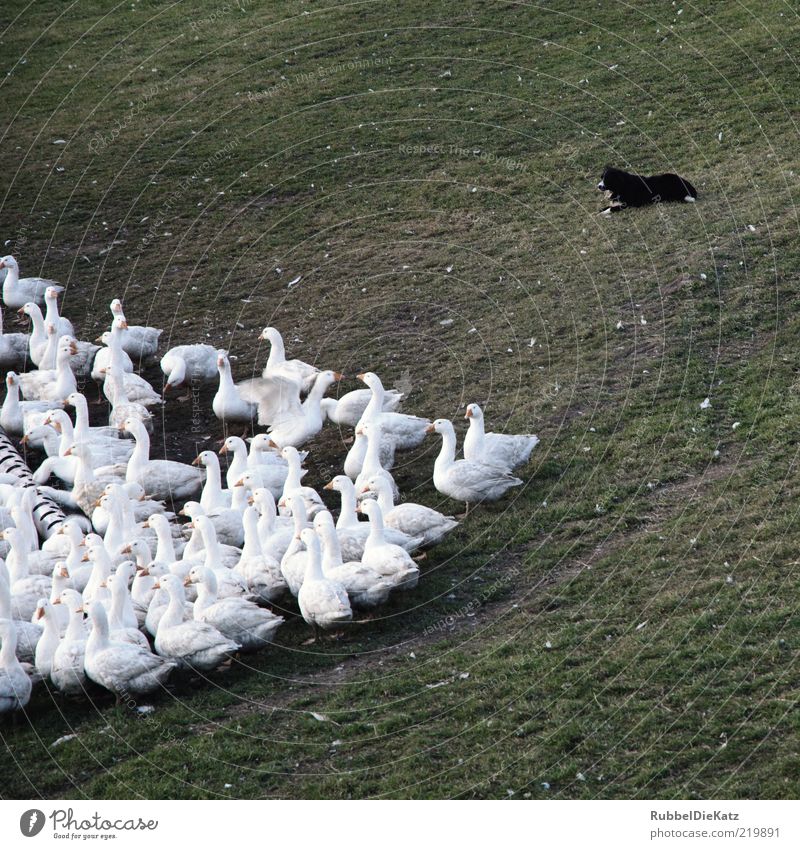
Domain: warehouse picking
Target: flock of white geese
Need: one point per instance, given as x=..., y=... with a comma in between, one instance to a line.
x=123, y=593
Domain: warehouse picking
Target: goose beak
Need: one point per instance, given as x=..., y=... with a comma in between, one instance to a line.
x=181, y=512
x=157, y=585
x=56, y=601
x=187, y=581
x=274, y=445
x=337, y=375
x=25, y=440
x=21, y=310
x=126, y=549
x=250, y=499
x=99, y=340
x=62, y=572
x=123, y=324
x=224, y=449
x=146, y=523
x=85, y=558
x=196, y=461
x=240, y=482
x=328, y=485
x=190, y=525
x=39, y=614
x=360, y=376
x=430, y=429
x=73, y=348
x=141, y=573
x=468, y=414
x=365, y=489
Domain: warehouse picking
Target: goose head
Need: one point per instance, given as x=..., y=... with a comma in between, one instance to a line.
x=473, y=412
x=9, y=262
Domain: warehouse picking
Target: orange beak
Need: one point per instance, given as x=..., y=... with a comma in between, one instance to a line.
x=430, y=429
x=224, y=449
x=196, y=461
x=337, y=375
x=328, y=485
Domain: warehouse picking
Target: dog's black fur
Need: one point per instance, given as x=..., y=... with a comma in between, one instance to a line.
x=632, y=190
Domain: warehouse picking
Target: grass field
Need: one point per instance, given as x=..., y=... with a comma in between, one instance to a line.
x=627, y=623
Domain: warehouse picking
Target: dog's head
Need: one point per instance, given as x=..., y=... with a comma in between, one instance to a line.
x=610, y=179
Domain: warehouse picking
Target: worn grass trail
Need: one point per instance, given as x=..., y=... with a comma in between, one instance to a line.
x=625, y=624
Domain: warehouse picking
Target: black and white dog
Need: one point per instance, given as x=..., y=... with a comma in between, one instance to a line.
x=626, y=189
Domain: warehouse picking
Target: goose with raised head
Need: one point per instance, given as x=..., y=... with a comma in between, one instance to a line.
x=15, y=685
x=271, y=478
x=49, y=639
x=38, y=339
x=18, y=291
x=371, y=467
x=197, y=645
x=275, y=532
x=122, y=407
x=52, y=384
x=138, y=341
x=86, y=433
x=16, y=416
x=122, y=621
x=323, y=602
x=28, y=632
x=466, y=480
x=123, y=668
x=90, y=483
x=26, y=589
x=416, y=520
x=230, y=583
x=112, y=352
x=98, y=557
x=161, y=479
x=238, y=619
x=298, y=423
x=406, y=431
x=506, y=450
x=189, y=364
x=13, y=348
x=213, y=497
x=82, y=354
x=351, y=532
x=295, y=558
x=67, y=671
x=365, y=588
x=293, y=485
x=134, y=388
x=354, y=460
x=228, y=405
x=166, y=551
x=386, y=559
x=235, y=450
x=261, y=572
x=347, y=409
x=52, y=314
x=300, y=373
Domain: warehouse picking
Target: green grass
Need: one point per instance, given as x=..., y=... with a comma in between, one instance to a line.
x=626, y=625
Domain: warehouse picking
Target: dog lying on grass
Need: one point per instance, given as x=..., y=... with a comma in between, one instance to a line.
x=624, y=189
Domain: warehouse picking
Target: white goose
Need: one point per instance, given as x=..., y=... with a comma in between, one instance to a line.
x=365, y=588
x=303, y=374
x=466, y=480
x=189, y=364
x=49, y=640
x=122, y=621
x=13, y=348
x=261, y=572
x=194, y=644
x=416, y=520
x=407, y=431
x=213, y=497
x=138, y=341
x=274, y=532
x=495, y=449
x=300, y=422
x=237, y=465
x=28, y=633
x=122, y=407
x=52, y=384
x=17, y=417
x=323, y=602
x=52, y=315
x=386, y=559
x=293, y=486
x=238, y=619
x=295, y=558
x=17, y=292
x=352, y=533
x=15, y=685
x=38, y=339
x=26, y=589
x=228, y=404
x=347, y=409
x=161, y=479
x=83, y=431
x=123, y=668
x=67, y=670
x=371, y=467
x=113, y=351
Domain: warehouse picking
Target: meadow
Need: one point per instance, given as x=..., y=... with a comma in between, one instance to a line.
x=625, y=625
